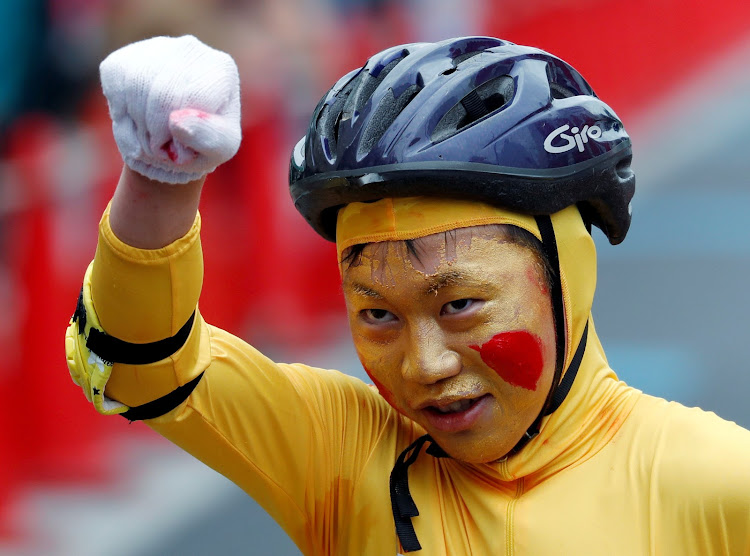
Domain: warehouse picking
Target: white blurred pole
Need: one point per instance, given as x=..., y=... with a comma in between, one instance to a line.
x=434, y=20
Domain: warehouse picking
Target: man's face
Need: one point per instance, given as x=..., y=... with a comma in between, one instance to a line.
x=459, y=337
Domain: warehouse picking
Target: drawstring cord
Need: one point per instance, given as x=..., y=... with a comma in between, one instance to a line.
x=402, y=503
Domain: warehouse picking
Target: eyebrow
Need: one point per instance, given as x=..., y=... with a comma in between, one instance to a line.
x=365, y=291
x=434, y=285
x=448, y=278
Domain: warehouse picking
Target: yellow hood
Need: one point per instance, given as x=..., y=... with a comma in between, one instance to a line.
x=595, y=407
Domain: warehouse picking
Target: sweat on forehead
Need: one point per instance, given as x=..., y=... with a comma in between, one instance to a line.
x=401, y=218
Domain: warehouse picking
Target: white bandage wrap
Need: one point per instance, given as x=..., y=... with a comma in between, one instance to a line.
x=175, y=107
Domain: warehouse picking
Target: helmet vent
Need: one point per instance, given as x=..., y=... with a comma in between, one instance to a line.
x=384, y=115
x=558, y=91
x=486, y=99
x=324, y=127
x=364, y=85
x=465, y=56
x=623, y=168
x=329, y=119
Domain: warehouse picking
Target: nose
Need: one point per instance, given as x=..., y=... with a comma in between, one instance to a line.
x=428, y=358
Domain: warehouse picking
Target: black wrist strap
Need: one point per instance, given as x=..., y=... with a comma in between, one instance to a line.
x=163, y=405
x=115, y=350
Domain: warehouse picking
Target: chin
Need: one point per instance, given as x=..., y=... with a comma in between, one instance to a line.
x=476, y=451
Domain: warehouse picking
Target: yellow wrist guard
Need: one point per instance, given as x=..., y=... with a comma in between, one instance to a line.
x=91, y=354
x=87, y=369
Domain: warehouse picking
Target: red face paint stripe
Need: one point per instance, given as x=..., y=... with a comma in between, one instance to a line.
x=515, y=356
x=534, y=279
x=387, y=395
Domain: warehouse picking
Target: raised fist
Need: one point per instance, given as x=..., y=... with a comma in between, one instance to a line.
x=175, y=107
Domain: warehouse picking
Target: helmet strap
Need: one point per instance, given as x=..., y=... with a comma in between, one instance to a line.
x=549, y=244
x=402, y=503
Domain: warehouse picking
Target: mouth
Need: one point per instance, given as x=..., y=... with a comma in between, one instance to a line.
x=455, y=407
x=458, y=415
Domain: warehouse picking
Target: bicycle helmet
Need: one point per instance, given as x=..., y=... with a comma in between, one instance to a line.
x=472, y=118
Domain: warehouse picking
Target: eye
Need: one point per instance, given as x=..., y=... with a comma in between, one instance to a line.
x=377, y=316
x=457, y=306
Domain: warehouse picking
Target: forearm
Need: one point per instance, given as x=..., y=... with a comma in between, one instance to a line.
x=174, y=104
x=149, y=215
x=137, y=298
x=142, y=296
x=145, y=295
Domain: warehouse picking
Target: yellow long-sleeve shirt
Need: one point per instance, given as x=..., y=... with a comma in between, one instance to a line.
x=613, y=471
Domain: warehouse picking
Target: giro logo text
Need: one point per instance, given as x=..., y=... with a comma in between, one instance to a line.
x=578, y=138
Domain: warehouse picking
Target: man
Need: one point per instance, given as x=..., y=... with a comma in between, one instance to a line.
x=460, y=181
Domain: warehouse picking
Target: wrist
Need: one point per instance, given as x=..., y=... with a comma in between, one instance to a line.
x=149, y=214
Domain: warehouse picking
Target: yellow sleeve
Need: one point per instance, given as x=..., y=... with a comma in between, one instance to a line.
x=700, y=481
x=294, y=437
x=297, y=439
x=142, y=296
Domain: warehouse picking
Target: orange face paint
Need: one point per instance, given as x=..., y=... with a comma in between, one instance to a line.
x=535, y=277
x=463, y=321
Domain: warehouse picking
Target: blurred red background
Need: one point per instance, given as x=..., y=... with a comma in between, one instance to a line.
x=268, y=278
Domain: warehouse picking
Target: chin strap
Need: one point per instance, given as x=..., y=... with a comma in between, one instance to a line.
x=402, y=504
x=559, y=394
x=560, y=388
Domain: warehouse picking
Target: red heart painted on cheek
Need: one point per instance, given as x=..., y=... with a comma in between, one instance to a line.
x=516, y=356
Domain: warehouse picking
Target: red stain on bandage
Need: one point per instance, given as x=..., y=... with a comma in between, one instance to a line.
x=178, y=115
x=516, y=356
x=170, y=149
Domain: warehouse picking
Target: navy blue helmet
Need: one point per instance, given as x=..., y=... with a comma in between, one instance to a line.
x=470, y=118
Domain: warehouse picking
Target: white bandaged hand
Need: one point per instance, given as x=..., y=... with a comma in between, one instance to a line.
x=175, y=107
